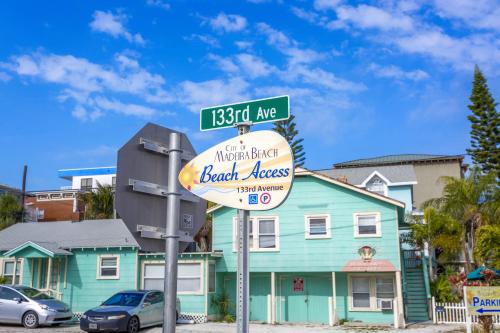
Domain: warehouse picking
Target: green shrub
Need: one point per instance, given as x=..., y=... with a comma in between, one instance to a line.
x=224, y=306
x=228, y=318
x=442, y=290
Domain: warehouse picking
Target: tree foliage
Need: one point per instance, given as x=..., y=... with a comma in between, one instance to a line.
x=487, y=247
x=10, y=210
x=440, y=231
x=467, y=204
x=99, y=204
x=287, y=129
x=485, y=126
x=442, y=290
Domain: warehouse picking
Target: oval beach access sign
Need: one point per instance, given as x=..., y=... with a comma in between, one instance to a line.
x=253, y=171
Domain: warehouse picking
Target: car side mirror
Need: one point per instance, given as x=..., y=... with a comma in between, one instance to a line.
x=18, y=299
x=146, y=304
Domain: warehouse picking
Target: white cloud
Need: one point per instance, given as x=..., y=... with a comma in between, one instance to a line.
x=321, y=77
x=462, y=53
x=407, y=26
x=228, y=22
x=196, y=95
x=83, y=75
x=320, y=115
x=158, y=3
x=369, y=17
x=254, y=66
x=243, y=45
x=111, y=24
x=244, y=64
x=288, y=46
x=225, y=64
x=326, y=4
x=481, y=14
x=4, y=77
x=300, y=60
x=82, y=113
x=395, y=72
x=123, y=108
x=302, y=56
x=274, y=37
x=84, y=83
x=207, y=39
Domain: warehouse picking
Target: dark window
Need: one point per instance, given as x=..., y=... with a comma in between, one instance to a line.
x=33, y=293
x=9, y=294
x=317, y=226
x=86, y=184
x=124, y=299
x=154, y=298
x=211, y=277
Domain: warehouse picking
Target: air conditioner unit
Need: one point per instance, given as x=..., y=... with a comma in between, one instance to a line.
x=386, y=304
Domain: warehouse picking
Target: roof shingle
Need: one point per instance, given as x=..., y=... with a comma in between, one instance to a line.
x=396, y=159
x=68, y=235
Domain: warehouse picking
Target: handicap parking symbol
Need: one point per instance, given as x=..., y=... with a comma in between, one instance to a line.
x=253, y=199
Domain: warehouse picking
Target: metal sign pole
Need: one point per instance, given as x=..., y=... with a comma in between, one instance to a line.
x=243, y=284
x=172, y=234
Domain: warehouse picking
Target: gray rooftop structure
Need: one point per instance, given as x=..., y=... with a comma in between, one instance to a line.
x=398, y=160
x=66, y=235
x=400, y=174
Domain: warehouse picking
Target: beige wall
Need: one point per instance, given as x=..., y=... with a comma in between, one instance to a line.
x=428, y=177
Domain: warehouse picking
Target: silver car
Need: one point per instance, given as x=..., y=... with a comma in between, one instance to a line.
x=31, y=307
x=126, y=311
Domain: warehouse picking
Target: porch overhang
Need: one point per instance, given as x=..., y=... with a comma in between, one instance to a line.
x=32, y=249
x=361, y=266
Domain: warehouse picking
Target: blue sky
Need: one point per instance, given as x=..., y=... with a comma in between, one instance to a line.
x=77, y=79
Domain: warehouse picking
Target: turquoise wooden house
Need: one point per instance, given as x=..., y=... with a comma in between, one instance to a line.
x=330, y=253
x=84, y=263
x=81, y=263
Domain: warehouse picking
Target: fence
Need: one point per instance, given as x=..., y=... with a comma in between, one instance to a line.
x=453, y=313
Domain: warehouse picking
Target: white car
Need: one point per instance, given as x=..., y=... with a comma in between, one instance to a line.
x=31, y=307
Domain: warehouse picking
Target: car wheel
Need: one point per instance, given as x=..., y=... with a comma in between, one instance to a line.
x=30, y=319
x=133, y=325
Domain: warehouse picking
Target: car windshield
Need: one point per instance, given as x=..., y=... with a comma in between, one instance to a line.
x=33, y=293
x=124, y=299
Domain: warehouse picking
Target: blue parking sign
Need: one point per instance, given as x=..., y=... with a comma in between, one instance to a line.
x=253, y=199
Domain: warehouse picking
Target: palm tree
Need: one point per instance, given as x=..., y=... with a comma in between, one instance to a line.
x=204, y=236
x=10, y=210
x=473, y=202
x=99, y=204
x=439, y=231
x=487, y=247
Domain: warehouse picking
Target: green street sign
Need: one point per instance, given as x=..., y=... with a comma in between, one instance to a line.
x=256, y=111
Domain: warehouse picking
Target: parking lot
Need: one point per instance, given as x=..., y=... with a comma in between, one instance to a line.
x=261, y=328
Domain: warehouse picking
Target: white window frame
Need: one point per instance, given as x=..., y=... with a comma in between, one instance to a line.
x=384, y=183
x=372, y=288
x=20, y=264
x=143, y=269
x=86, y=186
x=378, y=225
x=211, y=262
x=255, y=231
x=159, y=262
x=99, y=275
x=307, y=226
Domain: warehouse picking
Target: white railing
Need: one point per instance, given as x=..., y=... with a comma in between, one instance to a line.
x=453, y=313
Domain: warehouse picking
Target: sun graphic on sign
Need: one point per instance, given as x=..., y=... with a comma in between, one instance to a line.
x=188, y=176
